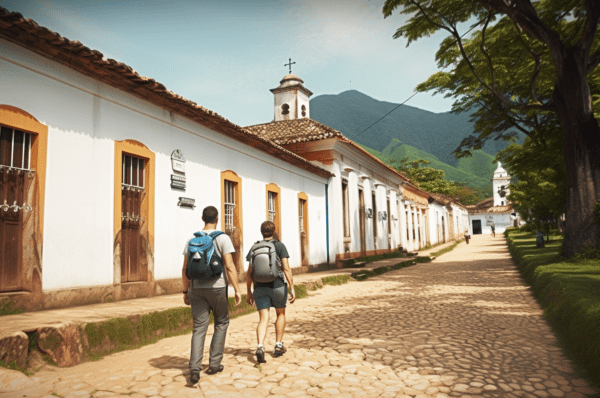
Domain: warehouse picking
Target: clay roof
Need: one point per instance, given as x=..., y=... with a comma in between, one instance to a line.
x=487, y=206
x=446, y=200
x=287, y=132
x=27, y=33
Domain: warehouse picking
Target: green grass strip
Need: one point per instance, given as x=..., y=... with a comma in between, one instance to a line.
x=446, y=249
x=365, y=274
x=336, y=280
x=569, y=293
x=369, y=259
x=8, y=308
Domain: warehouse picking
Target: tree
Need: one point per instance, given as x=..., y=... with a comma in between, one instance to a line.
x=528, y=67
x=425, y=178
x=433, y=180
x=539, y=195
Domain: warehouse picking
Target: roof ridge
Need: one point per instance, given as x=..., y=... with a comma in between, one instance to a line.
x=27, y=33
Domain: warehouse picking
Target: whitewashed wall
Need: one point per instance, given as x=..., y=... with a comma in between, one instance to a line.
x=85, y=118
x=501, y=221
x=436, y=212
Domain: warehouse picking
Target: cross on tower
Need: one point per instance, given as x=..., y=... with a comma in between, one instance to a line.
x=290, y=65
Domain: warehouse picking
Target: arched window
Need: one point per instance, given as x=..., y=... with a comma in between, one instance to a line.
x=285, y=109
x=303, y=111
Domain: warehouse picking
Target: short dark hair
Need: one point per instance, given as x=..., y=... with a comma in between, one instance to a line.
x=210, y=214
x=267, y=229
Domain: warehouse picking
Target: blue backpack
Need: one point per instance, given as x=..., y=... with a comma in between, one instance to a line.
x=203, y=262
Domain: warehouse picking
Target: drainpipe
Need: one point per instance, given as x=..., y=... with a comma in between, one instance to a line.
x=327, y=220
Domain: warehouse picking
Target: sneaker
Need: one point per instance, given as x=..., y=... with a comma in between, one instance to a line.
x=216, y=369
x=194, y=377
x=260, y=355
x=279, y=351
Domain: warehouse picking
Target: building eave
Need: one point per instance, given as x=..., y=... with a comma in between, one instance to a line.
x=74, y=55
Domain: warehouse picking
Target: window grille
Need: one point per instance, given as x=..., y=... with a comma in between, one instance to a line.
x=272, y=208
x=229, y=204
x=133, y=172
x=15, y=148
x=301, y=214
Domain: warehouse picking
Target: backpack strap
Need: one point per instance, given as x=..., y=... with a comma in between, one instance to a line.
x=214, y=235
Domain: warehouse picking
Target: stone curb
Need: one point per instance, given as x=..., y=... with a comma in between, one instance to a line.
x=70, y=343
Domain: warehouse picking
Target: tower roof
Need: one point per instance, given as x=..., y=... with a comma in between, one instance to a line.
x=291, y=81
x=501, y=172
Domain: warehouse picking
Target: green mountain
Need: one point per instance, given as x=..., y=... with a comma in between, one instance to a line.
x=408, y=132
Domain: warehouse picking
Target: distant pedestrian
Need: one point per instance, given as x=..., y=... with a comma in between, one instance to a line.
x=467, y=236
x=206, y=254
x=493, y=230
x=268, y=265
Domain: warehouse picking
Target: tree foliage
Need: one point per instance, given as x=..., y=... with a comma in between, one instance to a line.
x=525, y=66
x=433, y=180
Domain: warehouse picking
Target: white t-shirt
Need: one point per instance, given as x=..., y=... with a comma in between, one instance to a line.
x=223, y=245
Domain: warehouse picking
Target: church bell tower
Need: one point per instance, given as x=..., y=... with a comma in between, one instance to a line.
x=291, y=98
x=500, y=186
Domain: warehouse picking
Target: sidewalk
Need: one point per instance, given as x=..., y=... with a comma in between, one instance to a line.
x=31, y=321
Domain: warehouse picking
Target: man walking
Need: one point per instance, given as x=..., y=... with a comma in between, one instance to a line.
x=208, y=294
x=270, y=294
x=493, y=227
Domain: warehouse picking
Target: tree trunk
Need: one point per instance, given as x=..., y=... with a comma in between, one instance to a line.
x=582, y=153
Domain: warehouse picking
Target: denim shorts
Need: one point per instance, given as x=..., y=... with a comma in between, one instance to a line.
x=267, y=297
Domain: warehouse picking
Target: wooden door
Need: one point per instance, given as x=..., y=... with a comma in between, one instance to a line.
x=132, y=196
x=15, y=153
x=476, y=227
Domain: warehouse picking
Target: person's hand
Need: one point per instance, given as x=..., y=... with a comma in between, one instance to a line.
x=249, y=298
x=238, y=298
x=186, y=299
x=292, y=295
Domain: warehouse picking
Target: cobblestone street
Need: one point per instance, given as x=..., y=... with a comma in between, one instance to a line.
x=463, y=325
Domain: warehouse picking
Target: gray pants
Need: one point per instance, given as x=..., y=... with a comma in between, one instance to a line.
x=203, y=301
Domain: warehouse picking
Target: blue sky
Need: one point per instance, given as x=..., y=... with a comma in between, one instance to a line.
x=225, y=55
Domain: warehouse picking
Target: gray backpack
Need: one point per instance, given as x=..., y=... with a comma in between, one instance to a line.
x=266, y=265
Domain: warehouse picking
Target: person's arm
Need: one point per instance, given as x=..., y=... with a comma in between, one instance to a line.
x=287, y=271
x=249, y=295
x=185, y=281
x=232, y=276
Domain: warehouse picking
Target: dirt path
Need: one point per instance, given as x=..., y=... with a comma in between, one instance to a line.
x=463, y=325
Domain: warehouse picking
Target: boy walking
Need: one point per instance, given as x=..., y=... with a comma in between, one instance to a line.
x=210, y=293
x=270, y=294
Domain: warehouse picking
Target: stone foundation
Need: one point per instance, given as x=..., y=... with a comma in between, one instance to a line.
x=13, y=348
x=89, y=295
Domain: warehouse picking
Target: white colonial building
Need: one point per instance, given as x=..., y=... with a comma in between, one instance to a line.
x=104, y=174
x=448, y=219
x=366, y=212
x=497, y=210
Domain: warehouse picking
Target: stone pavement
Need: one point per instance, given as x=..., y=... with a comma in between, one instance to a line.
x=463, y=325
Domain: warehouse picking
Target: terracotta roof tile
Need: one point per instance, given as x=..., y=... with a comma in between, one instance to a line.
x=287, y=132
x=27, y=33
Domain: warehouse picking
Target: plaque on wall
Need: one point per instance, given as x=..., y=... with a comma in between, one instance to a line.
x=178, y=161
x=177, y=182
x=187, y=202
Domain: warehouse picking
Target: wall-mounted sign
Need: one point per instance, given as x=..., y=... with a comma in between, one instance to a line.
x=177, y=182
x=178, y=161
x=187, y=202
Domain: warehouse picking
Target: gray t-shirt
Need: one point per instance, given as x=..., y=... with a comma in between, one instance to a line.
x=222, y=246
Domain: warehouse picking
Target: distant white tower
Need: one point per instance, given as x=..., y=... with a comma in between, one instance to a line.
x=500, y=186
x=291, y=99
